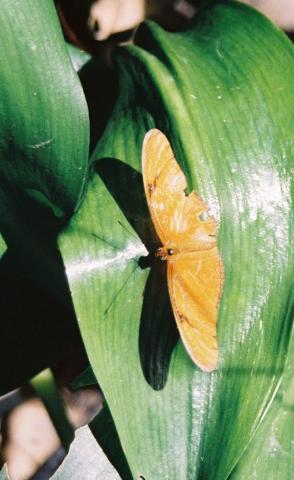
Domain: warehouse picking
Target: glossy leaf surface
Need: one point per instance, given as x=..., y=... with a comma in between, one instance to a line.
x=43, y=113
x=222, y=93
x=271, y=453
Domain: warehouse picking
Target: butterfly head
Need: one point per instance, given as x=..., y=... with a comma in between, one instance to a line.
x=167, y=252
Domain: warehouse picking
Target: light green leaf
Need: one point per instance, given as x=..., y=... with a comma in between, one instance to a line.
x=2, y=246
x=85, y=460
x=270, y=455
x=222, y=92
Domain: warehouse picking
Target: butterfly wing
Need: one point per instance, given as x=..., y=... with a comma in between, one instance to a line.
x=195, y=283
x=177, y=217
x=195, y=271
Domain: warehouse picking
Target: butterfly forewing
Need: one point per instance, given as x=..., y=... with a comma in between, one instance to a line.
x=176, y=215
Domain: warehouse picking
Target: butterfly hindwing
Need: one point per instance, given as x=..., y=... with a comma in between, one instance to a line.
x=194, y=283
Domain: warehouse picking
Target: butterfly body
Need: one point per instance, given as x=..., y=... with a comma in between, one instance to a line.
x=166, y=253
x=188, y=244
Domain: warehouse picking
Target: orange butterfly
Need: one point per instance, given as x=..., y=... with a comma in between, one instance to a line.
x=188, y=236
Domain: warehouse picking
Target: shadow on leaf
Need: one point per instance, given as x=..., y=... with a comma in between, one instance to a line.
x=38, y=321
x=158, y=332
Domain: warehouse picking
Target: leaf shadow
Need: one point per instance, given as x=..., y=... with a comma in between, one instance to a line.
x=158, y=333
x=38, y=324
x=100, y=86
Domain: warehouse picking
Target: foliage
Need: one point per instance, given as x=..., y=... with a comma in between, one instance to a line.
x=222, y=93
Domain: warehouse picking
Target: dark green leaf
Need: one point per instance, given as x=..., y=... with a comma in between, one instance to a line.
x=44, y=146
x=103, y=428
x=85, y=378
x=43, y=113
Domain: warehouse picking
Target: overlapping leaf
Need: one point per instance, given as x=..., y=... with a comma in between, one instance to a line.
x=42, y=108
x=44, y=143
x=85, y=460
x=270, y=455
x=222, y=92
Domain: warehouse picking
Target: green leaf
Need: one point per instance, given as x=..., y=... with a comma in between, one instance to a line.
x=222, y=92
x=103, y=429
x=85, y=378
x=85, y=460
x=270, y=455
x=44, y=143
x=2, y=246
x=78, y=57
x=43, y=112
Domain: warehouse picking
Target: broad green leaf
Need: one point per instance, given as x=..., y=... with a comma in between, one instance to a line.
x=44, y=143
x=43, y=113
x=222, y=92
x=85, y=460
x=270, y=455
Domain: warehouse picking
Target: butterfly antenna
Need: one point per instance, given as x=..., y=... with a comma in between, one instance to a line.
x=129, y=231
x=105, y=241
x=119, y=291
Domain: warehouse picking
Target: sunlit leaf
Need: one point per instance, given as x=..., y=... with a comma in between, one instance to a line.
x=2, y=246
x=85, y=460
x=222, y=93
x=270, y=455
